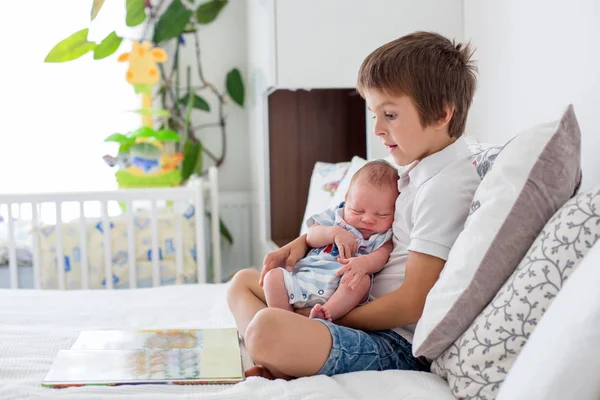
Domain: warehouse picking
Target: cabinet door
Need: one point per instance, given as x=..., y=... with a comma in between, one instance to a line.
x=321, y=43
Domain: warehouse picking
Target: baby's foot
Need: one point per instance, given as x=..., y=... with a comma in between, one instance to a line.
x=320, y=312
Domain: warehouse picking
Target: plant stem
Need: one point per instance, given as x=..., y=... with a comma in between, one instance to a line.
x=219, y=96
x=214, y=124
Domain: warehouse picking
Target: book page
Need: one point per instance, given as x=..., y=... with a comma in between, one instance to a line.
x=121, y=356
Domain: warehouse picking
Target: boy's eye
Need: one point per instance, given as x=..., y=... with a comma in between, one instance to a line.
x=390, y=116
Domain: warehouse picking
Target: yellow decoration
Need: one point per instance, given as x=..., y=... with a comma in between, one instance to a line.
x=147, y=161
x=143, y=71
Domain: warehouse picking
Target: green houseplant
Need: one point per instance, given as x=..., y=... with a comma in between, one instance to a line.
x=175, y=23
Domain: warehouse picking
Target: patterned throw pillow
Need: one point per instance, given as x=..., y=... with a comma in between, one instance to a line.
x=324, y=183
x=477, y=363
x=484, y=157
x=533, y=175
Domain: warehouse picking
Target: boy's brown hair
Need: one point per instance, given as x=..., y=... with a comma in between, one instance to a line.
x=378, y=173
x=430, y=69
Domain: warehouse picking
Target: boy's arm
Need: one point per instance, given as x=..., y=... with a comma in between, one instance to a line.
x=403, y=306
x=322, y=235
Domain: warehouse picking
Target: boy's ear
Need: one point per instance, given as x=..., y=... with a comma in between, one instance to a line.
x=448, y=114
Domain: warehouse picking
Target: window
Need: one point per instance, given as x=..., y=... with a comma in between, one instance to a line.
x=54, y=117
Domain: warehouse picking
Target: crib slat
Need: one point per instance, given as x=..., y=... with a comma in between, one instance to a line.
x=178, y=244
x=85, y=279
x=12, y=250
x=215, y=224
x=36, y=245
x=197, y=185
x=107, y=246
x=60, y=255
x=155, y=253
x=131, y=246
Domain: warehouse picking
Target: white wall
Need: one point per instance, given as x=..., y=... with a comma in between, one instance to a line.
x=223, y=46
x=536, y=57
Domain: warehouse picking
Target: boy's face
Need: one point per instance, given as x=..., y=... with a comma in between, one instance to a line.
x=398, y=126
x=369, y=209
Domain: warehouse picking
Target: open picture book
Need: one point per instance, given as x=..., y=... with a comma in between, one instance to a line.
x=120, y=357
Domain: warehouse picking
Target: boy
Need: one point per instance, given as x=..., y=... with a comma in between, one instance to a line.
x=419, y=88
x=352, y=239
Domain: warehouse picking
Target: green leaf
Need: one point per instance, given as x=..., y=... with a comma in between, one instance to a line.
x=207, y=12
x=135, y=12
x=144, y=131
x=192, y=159
x=199, y=102
x=167, y=135
x=108, y=46
x=188, y=110
x=70, y=48
x=235, y=86
x=96, y=8
x=124, y=148
x=172, y=22
x=225, y=231
x=118, y=138
x=152, y=111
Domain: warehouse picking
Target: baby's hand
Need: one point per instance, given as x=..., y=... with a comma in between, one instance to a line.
x=353, y=270
x=345, y=243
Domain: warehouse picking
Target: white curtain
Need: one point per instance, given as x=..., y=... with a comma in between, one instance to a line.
x=54, y=117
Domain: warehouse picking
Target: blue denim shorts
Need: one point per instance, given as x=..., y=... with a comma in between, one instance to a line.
x=353, y=350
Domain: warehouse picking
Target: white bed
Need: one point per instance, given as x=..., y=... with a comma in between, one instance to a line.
x=36, y=324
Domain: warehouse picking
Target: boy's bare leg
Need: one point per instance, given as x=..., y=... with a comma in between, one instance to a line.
x=275, y=293
x=245, y=298
x=286, y=345
x=282, y=344
x=342, y=301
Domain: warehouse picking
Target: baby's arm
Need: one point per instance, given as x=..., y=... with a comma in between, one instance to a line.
x=356, y=267
x=322, y=235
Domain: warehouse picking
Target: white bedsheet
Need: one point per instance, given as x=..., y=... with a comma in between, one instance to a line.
x=35, y=325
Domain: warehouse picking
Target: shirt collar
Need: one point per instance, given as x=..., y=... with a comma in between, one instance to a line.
x=420, y=172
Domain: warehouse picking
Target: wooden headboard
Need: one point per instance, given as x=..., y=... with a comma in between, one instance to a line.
x=327, y=125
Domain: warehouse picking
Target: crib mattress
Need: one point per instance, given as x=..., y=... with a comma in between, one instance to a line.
x=36, y=324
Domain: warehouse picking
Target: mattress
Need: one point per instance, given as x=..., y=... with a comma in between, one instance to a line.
x=36, y=324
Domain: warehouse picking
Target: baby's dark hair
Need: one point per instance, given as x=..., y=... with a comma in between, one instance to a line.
x=378, y=173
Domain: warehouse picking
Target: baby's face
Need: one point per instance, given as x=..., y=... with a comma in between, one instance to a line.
x=370, y=209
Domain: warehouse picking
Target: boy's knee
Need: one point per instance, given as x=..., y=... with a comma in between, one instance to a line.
x=240, y=281
x=261, y=335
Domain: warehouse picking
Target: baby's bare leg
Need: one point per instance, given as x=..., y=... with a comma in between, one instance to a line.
x=275, y=292
x=343, y=300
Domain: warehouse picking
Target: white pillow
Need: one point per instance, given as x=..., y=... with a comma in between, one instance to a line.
x=532, y=177
x=561, y=359
x=324, y=183
x=490, y=346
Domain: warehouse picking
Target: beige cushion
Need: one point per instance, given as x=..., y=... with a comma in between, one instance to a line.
x=532, y=177
x=478, y=362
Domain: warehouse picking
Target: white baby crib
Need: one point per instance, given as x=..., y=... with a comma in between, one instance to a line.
x=193, y=243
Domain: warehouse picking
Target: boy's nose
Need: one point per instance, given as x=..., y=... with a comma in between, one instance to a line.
x=378, y=130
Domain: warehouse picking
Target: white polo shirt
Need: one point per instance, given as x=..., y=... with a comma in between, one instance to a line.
x=434, y=202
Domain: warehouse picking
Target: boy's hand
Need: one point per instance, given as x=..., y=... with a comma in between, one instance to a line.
x=353, y=270
x=287, y=256
x=345, y=243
